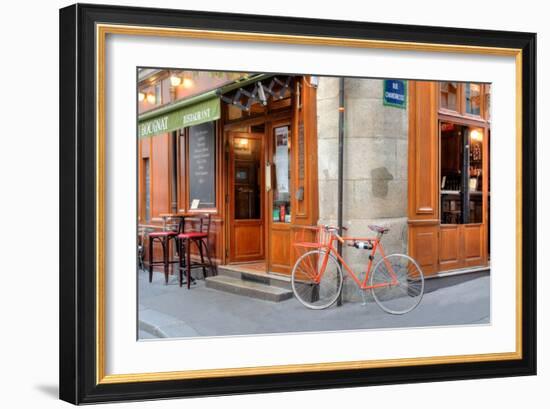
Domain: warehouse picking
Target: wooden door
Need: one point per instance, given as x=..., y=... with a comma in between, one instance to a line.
x=279, y=207
x=246, y=196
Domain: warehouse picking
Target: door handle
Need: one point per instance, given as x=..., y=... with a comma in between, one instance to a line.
x=268, y=177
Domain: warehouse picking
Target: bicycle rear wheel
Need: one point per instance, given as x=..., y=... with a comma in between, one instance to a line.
x=314, y=288
x=405, y=293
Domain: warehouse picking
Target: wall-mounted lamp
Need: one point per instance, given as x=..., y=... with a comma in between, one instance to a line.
x=175, y=80
x=476, y=135
x=151, y=98
x=241, y=142
x=141, y=96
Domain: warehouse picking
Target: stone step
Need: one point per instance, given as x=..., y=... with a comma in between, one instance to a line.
x=262, y=278
x=248, y=288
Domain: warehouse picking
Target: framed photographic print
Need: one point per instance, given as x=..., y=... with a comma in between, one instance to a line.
x=257, y=203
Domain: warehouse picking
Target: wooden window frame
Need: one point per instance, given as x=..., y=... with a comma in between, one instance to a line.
x=458, y=99
x=465, y=114
x=279, y=123
x=183, y=175
x=461, y=96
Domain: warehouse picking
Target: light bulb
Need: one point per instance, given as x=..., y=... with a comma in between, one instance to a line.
x=175, y=80
x=476, y=135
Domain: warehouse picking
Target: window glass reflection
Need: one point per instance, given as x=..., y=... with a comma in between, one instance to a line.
x=473, y=98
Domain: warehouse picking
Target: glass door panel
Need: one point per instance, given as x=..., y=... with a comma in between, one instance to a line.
x=461, y=170
x=451, y=162
x=246, y=184
x=281, y=212
x=475, y=177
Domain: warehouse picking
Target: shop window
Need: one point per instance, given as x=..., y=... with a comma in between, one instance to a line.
x=448, y=97
x=472, y=93
x=487, y=102
x=149, y=97
x=158, y=94
x=281, y=211
x=461, y=174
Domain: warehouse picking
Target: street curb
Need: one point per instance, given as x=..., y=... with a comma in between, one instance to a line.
x=152, y=329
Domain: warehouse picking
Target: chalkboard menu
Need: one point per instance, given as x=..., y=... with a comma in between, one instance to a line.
x=202, y=165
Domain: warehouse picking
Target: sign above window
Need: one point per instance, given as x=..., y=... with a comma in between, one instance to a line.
x=167, y=120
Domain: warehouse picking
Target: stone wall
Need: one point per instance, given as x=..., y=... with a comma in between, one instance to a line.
x=375, y=165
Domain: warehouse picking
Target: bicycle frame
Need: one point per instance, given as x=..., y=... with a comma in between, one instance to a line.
x=376, y=245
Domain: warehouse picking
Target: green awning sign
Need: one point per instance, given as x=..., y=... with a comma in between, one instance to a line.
x=167, y=121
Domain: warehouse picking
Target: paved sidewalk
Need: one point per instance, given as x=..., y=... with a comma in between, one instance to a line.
x=167, y=311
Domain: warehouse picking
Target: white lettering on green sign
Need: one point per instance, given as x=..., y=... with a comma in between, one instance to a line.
x=192, y=117
x=154, y=126
x=205, y=111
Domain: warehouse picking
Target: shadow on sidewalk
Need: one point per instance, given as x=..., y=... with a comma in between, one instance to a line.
x=437, y=283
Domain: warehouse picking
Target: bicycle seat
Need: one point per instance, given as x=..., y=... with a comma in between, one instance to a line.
x=379, y=229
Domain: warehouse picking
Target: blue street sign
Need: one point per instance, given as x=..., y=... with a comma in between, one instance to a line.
x=395, y=93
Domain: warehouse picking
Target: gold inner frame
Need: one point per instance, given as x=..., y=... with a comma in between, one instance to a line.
x=102, y=30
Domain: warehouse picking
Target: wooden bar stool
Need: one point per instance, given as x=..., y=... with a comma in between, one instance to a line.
x=169, y=233
x=200, y=238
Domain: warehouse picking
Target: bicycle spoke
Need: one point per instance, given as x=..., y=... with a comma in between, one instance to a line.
x=308, y=272
x=324, y=289
x=406, y=284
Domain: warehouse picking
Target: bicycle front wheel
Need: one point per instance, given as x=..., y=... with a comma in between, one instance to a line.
x=397, y=284
x=317, y=279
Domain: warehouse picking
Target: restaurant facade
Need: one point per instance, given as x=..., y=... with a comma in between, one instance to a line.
x=259, y=153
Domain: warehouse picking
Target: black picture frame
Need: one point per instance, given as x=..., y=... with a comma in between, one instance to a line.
x=78, y=197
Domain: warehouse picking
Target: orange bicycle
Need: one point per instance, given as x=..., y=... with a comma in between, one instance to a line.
x=396, y=281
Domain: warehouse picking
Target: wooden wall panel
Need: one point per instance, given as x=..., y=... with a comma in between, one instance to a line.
x=160, y=176
x=423, y=171
x=423, y=247
x=304, y=142
x=450, y=247
x=423, y=151
x=157, y=149
x=247, y=247
x=280, y=248
x=473, y=245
